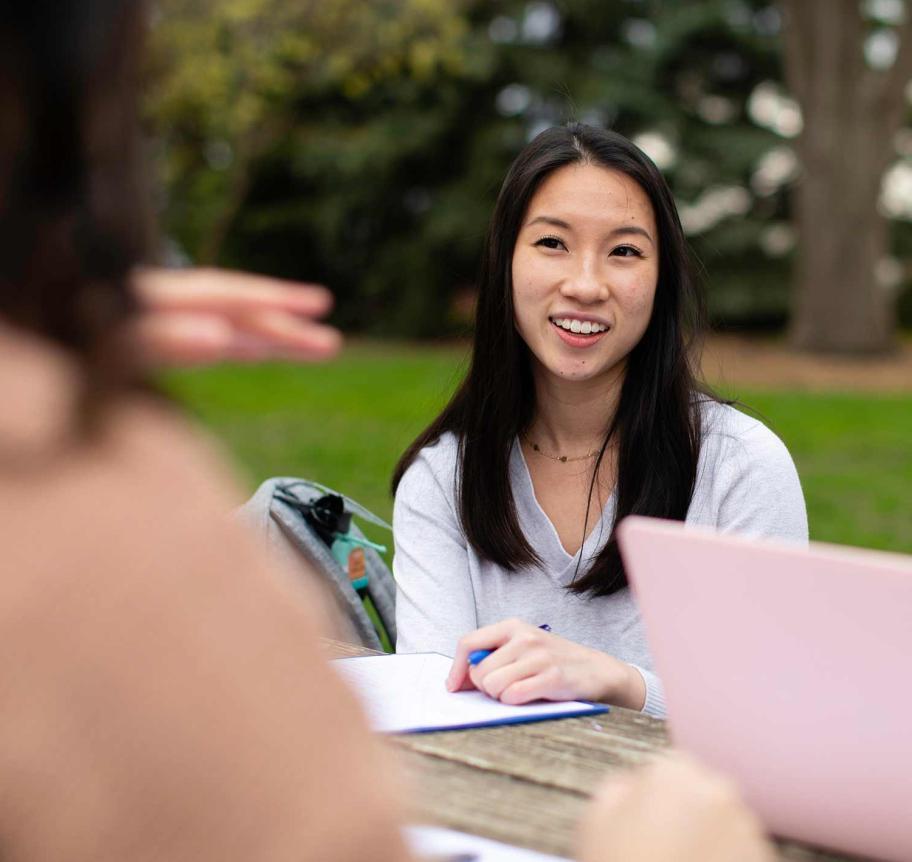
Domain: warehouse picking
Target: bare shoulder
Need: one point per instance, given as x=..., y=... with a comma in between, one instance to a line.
x=142, y=506
x=152, y=443
x=148, y=499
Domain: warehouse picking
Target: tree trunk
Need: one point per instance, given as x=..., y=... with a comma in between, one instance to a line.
x=851, y=114
x=249, y=148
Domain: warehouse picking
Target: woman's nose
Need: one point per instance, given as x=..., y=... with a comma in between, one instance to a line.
x=586, y=283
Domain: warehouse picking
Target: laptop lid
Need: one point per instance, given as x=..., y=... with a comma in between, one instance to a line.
x=790, y=670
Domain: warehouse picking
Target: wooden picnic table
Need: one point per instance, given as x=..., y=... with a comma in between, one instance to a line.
x=527, y=784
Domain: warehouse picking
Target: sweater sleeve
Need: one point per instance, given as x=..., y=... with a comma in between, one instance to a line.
x=756, y=486
x=435, y=603
x=654, y=704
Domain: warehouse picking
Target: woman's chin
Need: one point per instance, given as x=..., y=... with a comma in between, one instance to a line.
x=579, y=372
x=559, y=368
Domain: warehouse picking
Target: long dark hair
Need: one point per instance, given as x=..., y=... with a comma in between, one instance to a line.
x=73, y=215
x=657, y=423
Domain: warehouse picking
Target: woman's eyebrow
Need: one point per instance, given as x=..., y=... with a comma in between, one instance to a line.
x=544, y=219
x=631, y=229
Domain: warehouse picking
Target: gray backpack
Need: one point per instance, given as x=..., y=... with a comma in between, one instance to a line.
x=287, y=513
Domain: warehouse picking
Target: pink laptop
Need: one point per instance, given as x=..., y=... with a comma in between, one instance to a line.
x=790, y=670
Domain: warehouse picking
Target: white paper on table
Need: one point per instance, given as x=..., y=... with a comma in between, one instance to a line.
x=432, y=841
x=406, y=693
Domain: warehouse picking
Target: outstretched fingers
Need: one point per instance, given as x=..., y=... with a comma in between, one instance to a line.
x=202, y=316
x=208, y=289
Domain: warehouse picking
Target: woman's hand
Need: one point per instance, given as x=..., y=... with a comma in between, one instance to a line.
x=202, y=316
x=530, y=664
x=671, y=809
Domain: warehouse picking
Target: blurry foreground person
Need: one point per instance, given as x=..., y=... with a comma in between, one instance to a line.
x=162, y=692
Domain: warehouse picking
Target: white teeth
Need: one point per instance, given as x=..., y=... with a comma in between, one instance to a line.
x=581, y=327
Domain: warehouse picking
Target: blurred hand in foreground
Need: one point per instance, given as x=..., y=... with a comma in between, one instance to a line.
x=203, y=316
x=672, y=809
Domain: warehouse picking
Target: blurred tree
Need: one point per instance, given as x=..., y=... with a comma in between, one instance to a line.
x=849, y=71
x=363, y=144
x=231, y=79
x=297, y=141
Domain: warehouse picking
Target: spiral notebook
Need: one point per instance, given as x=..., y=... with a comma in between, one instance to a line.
x=406, y=694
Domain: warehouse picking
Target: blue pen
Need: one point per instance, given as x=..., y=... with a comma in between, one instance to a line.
x=479, y=655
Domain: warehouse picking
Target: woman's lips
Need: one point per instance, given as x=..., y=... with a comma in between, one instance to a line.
x=577, y=340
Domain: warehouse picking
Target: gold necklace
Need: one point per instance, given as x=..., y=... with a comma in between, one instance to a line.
x=564, y=459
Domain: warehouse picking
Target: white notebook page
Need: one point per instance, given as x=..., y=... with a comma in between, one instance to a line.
x=406, y=693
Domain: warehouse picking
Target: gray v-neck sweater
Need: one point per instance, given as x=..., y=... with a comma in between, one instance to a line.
x=746, y=484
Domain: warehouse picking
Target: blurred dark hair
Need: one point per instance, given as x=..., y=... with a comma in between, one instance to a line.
x=73, y=215
x=657, y=422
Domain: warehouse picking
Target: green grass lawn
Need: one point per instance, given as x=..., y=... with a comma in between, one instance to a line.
x=346, y=423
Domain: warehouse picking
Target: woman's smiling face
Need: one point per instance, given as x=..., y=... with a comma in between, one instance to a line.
x=585, y=269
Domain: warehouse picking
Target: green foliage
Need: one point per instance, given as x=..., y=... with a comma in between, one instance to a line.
x=345, y=424
x=232, y=79
x=363, y=144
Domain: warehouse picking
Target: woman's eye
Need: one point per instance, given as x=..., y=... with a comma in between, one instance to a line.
x=551, y=242
x=627, y=251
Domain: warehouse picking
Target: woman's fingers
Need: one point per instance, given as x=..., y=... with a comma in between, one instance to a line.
x=193, y=338
x=201, y=316
x=487, y=638
x=185, y=339
x=526, y=663
x=227, y=292
x=495, y=682
x=519, y=653
x=544, y=684
x=291, y=337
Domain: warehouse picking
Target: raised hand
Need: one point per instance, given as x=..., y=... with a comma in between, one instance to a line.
x=202, y=316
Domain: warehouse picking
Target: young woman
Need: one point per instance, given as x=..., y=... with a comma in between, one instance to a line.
x=581, y=406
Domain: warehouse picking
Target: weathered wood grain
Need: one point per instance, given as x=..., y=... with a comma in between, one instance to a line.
x=571, y=755
x=340, y=649
x=459, y=796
